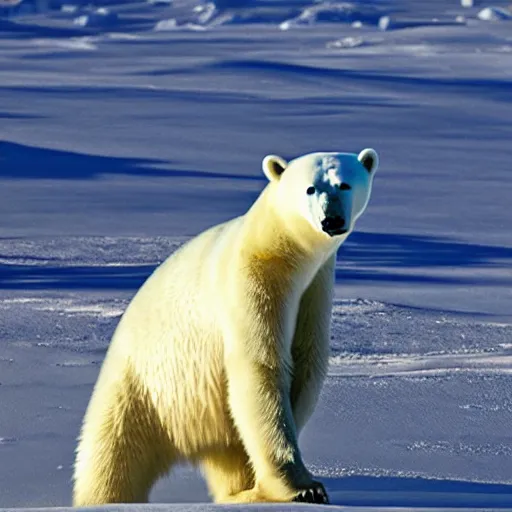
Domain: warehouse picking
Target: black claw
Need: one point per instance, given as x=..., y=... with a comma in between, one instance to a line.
x=314, y=494
x=299, y=497
x=322, y=495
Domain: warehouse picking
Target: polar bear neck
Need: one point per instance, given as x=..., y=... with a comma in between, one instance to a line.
x=287, y=240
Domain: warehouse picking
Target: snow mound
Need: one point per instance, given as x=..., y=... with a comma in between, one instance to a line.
x=189, y=15
x=494, y=14
x=334, y=12
x=69, y=8
x=199, y=17
x=346, y=43
x=193, y=14
x=10, y=8
x=85, y=44
x=172, y=24
x=101, y=17
x=389, y=23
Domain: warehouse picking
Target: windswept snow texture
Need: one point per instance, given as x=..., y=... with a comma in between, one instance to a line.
x=128, y=127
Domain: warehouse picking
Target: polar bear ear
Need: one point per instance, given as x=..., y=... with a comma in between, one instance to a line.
x=273, y=166
x=370, y=160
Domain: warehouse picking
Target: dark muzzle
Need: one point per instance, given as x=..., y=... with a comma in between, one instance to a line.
x=334, y=225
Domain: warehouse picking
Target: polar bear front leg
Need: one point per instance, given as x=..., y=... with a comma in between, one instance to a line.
x=258, y=370
x=310, y=349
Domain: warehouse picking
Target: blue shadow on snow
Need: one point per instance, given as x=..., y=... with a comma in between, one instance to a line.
x=371, y=491
x=498, y=89
x=18, y=161
x=29, y=277
x=394, y=257
x=376, y=257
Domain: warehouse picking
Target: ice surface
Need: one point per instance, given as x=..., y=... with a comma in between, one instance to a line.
x=118, y=142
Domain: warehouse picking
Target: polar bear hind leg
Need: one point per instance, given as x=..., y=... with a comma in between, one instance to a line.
x=123, y=448
x=228, y=473
x=230, y=478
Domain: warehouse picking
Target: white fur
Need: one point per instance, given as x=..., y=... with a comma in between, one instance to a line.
x=331, y=170
x=220, y=357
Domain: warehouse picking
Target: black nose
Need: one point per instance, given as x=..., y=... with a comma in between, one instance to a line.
x=333, y=225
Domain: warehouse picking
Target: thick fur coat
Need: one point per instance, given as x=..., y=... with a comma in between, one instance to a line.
x=220, y=357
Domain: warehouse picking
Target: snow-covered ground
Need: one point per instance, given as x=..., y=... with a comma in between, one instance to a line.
x=125, y=131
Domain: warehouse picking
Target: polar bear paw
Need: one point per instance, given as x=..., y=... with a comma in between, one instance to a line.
x=315, y=493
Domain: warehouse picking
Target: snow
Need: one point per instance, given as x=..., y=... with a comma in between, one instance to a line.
x=100, y=17
x=120, y=141
x=494, y=14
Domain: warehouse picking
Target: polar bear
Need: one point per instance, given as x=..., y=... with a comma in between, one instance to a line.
x=220, y=357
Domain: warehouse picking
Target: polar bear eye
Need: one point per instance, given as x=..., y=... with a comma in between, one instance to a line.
x=310, y=191
x=345, y=186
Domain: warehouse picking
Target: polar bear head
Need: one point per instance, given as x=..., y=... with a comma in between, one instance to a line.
x=329, y=190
